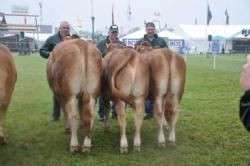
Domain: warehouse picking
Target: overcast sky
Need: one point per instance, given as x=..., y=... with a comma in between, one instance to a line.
x=170, y=12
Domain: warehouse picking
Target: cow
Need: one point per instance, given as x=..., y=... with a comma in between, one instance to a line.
x=167, y=81
x=74, y=72
x=126, y=78
x=8, y=77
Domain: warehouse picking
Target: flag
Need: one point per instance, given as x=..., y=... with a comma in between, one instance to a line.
x=227, y=17
x=129, y=13
x=113, y=19
x=209, y=15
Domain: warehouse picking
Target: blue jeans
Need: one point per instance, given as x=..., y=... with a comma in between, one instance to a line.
x=101, y=111
x=149, y=108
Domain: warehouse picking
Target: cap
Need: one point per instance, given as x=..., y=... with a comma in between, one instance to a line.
x=113, y=28
x=150, y=24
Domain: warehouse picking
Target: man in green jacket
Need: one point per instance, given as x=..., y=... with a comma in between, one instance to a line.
x=50, y=43
x=152, y=37
x=156, y=42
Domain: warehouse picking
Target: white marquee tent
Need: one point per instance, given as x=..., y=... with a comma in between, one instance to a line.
x=197, y=35
x=175, y=41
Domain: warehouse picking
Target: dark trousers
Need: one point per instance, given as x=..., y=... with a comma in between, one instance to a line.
x=56, y=108
x=149, y=107
x=101, y=111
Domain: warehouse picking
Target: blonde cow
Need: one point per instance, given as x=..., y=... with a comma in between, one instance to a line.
x=74, y=75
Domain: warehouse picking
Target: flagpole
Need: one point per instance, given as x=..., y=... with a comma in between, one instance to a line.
x=214, y=60
x=225, y=34
x=93, y=22
x=129, y=16
x=226, y=23
x=113, y=19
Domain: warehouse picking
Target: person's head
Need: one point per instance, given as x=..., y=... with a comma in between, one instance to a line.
x=64, y=29
x=150, y=29
x=113, y=33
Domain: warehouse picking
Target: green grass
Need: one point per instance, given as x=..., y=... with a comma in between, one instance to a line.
x=208, y=130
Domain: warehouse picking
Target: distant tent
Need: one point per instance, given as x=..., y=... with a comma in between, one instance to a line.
x=218, y=38
x=175, y=41
x=132, y=38
x=169, y=35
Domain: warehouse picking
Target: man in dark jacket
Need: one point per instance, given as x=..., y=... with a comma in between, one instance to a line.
x=245, y=99
x=156, y=42
x=103, y=47
x=50, y=43
x=152, y=37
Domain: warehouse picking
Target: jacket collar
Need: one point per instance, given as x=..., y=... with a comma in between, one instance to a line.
x=146, y=36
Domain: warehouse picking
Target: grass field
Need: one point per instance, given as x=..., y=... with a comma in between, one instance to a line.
x=208, y=130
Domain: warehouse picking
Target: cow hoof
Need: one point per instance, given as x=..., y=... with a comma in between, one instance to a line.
x=161, y=144
x=74, y=149
x=86, y=149
x=137, y=148
x=124, y=150
x=2, y=141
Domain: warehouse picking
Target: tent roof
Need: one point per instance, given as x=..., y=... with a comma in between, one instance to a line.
x=140, y=33
x=169, y=34
x=240, y=36
x=202, y=31
x=135, y=35
x=42, y=36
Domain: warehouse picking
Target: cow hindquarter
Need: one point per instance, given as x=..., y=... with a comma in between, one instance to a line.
x=159, y=82
x=133, y=80
x=176, y=90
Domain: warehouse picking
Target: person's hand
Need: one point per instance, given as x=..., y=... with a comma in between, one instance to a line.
x=245, y=75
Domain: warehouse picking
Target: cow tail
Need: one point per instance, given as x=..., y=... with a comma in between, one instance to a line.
x=114, y=71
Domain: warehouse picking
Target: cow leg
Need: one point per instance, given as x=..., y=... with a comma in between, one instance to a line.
x=70, y=108
x=2, y=117
x=88, y=120
x=138, y=122
x=172, y=115
x=159, y=117
x=165, y=123
x=120, y=109
x=66, y=122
